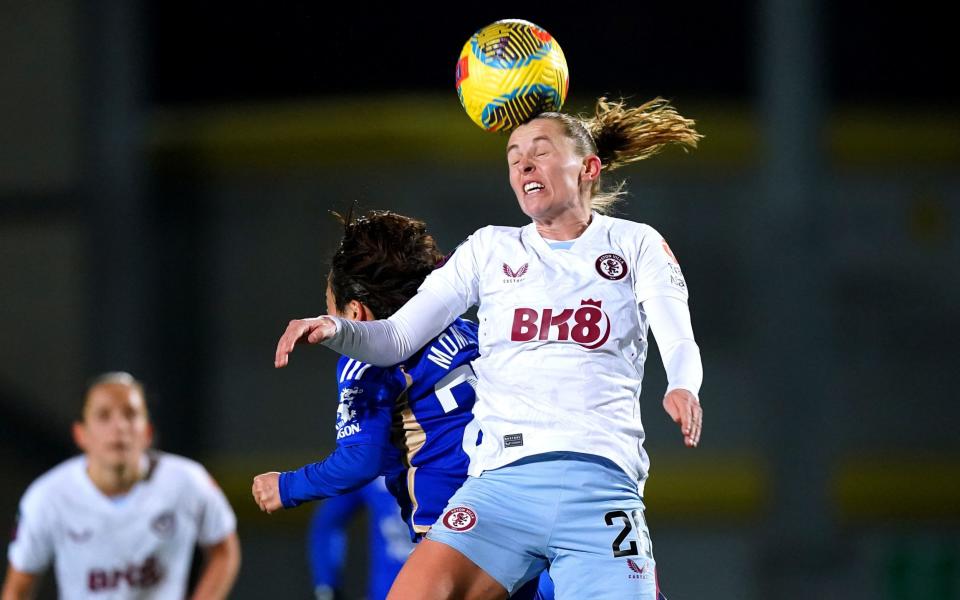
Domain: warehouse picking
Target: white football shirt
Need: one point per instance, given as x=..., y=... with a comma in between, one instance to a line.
x=563, y=338
x=137, y=546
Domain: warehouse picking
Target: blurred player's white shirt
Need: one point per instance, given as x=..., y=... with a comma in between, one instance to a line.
x=139, y=546
x=563, y=338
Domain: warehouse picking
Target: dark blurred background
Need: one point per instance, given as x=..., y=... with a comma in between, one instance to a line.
x=167, y=171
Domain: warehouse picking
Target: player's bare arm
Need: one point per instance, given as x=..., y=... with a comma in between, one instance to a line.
x=312, y=331
x=220, y=570
x=19, y=585
x=684, y=408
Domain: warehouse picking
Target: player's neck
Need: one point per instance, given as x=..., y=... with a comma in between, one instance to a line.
x=114, y=480
x=566, y=227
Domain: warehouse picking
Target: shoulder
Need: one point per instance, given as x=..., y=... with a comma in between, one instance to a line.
x=633, y=238
x=63, y=476
x=176, y=470
x=494, y=234
x=350, y=370
x=466, y=327
x=499, y=230
x=364, y=385
x=624, y=227
x=464, y=330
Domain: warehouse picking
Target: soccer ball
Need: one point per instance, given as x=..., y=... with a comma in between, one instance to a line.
x=508, y=72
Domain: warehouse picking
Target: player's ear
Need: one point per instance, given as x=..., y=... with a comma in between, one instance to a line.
x=354, y=311
x=365, y=313
x=591, y=167
x=80, y=435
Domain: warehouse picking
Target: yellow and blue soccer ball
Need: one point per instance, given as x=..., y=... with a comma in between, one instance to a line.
x=508, y=72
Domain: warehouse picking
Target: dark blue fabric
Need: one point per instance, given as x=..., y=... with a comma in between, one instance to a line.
x=346, y=469
x=387, y=543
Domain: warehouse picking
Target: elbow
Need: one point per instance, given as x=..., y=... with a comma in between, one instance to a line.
x=372, y=465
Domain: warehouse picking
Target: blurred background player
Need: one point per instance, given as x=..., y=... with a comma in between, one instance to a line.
x=387, y=541
x=122, y=521
x=426, y=401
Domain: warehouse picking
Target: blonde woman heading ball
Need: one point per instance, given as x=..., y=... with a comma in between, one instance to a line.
x=565, y=307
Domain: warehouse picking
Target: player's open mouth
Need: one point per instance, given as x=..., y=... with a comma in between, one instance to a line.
x=532, y=187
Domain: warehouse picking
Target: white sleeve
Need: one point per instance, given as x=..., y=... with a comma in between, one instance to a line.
x=658, y=272
x=386, y=342
x=31, y=550
x=216, y=517
x=669, y=318
x=445, y=295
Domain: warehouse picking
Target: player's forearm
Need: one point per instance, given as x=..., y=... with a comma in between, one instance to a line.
x=683, y=366
x=670, y=320
x=347, y=469
x=387, y=342
x=19, y=585
x=220, y=572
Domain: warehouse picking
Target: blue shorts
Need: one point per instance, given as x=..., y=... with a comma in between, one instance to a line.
x=576, y=513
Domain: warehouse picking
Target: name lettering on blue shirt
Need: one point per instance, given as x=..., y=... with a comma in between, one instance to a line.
x=451, y=341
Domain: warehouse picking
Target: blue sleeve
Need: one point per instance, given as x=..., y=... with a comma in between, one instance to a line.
x=364, y=414
x=327, y=539
x=345, y=470
x=368, y=395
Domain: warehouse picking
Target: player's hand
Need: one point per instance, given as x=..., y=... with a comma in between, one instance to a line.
x=266, y=491
x=684, y=408
x=312, y=331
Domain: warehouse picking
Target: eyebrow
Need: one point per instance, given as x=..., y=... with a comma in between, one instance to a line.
x=536, y=139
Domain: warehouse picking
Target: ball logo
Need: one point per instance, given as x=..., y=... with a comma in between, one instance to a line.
x=460, y=518
x=612, y=267
x=463, y=70
x=590, y=327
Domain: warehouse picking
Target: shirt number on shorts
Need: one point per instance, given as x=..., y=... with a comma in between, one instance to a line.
x=627, y=526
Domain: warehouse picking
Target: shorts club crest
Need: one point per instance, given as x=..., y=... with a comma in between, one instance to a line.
x=460, y=519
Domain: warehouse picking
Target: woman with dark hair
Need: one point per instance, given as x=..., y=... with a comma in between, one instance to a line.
x=405, y=421
x=565, y=308
x=423, y=402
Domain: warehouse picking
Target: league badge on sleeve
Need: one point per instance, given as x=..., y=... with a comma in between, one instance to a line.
x=666, y=248
x=676, y=275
